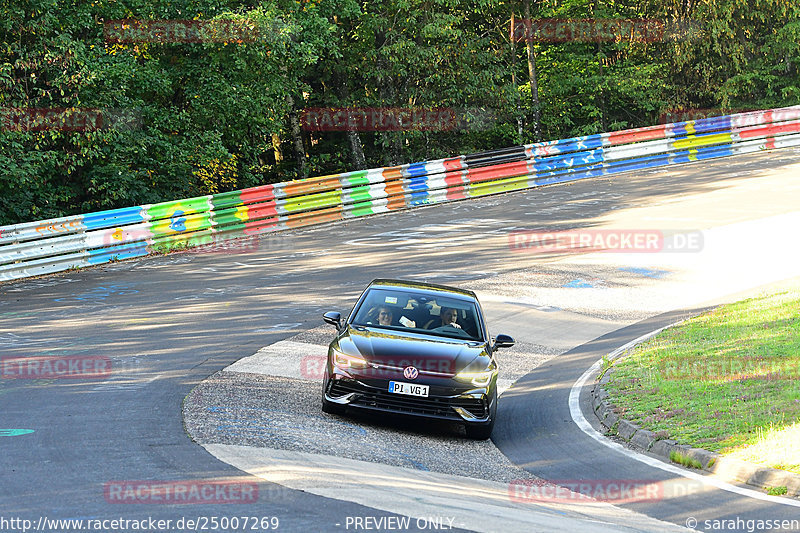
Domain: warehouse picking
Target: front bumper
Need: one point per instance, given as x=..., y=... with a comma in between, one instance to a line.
x=444, y=402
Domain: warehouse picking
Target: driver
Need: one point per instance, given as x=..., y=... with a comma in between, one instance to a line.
x=448, y=317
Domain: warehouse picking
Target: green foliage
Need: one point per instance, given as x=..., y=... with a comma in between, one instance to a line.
x=685, y=460
x=776, y=491
x=217, y=115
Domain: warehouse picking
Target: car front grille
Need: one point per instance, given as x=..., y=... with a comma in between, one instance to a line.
x=432, y=406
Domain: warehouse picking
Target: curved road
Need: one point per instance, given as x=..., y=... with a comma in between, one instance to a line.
x=166, y=323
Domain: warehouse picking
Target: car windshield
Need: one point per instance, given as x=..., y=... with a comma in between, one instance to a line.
x=403, y=310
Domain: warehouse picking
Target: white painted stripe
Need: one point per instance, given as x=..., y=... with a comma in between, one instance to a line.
x=288, y=359
x=577, y=417
x=473, y=504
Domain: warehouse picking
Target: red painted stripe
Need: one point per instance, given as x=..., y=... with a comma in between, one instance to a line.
x=772, y=129
x=261, y=216
x=455, y=163
x=258, y=194
x=260, y=226
x=459, y=192
x=454, y=178
x=650, y=133
x=506, y=170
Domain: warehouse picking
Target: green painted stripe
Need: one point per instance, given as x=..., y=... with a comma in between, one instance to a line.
x=361, y=211
x=313, y=201
x=357, y=179
x=225, y=200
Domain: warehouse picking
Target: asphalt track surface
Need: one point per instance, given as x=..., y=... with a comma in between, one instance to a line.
x=167, y=323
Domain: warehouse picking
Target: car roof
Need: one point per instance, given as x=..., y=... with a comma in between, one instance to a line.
x=432, y=289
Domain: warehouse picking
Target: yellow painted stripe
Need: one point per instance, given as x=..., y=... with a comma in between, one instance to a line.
x=706, y=140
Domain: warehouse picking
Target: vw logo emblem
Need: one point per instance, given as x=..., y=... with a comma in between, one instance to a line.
x=410, y=372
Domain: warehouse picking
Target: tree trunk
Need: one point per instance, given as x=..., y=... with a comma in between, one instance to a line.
x=601, y=97
x=536, y=124
x=513, y=35
x=297, y=139
x=356, y=150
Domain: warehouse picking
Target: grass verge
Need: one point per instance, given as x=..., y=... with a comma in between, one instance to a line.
x=726, y=381
x=681, y=459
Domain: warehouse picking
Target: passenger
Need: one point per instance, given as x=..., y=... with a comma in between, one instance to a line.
x=447, y=316
x=381, y=315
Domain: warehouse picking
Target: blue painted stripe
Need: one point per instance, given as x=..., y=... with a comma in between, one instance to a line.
x=579, y=283
x=706, y=126
x=709, y=152
x=571, y=174
x=417, y=184
x=573, y=144
x=415, y=169
x=569, y=160
x=113, y=217
x=624, y=165
x=715, y=151
x=418, y=198
x=124, y=251
x=714, y=123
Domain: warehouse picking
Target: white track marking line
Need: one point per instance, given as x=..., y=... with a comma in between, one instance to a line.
x=583, y=424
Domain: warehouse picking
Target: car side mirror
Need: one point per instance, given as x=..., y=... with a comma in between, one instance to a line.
x=503, y=341
x=333, y=318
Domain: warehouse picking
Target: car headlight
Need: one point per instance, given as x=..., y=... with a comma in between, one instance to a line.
x=479, y=379
x=343, y=360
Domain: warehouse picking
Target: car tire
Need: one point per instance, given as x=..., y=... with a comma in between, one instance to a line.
x=330, y=407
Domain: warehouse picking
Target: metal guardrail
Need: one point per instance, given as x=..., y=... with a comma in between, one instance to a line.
x=47, y=246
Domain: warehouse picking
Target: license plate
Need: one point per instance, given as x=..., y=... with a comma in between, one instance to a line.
x=410, y=389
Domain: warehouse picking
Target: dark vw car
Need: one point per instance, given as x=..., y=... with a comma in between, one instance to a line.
x=416, y=349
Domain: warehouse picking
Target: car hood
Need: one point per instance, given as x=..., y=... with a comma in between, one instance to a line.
x=425, y=352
